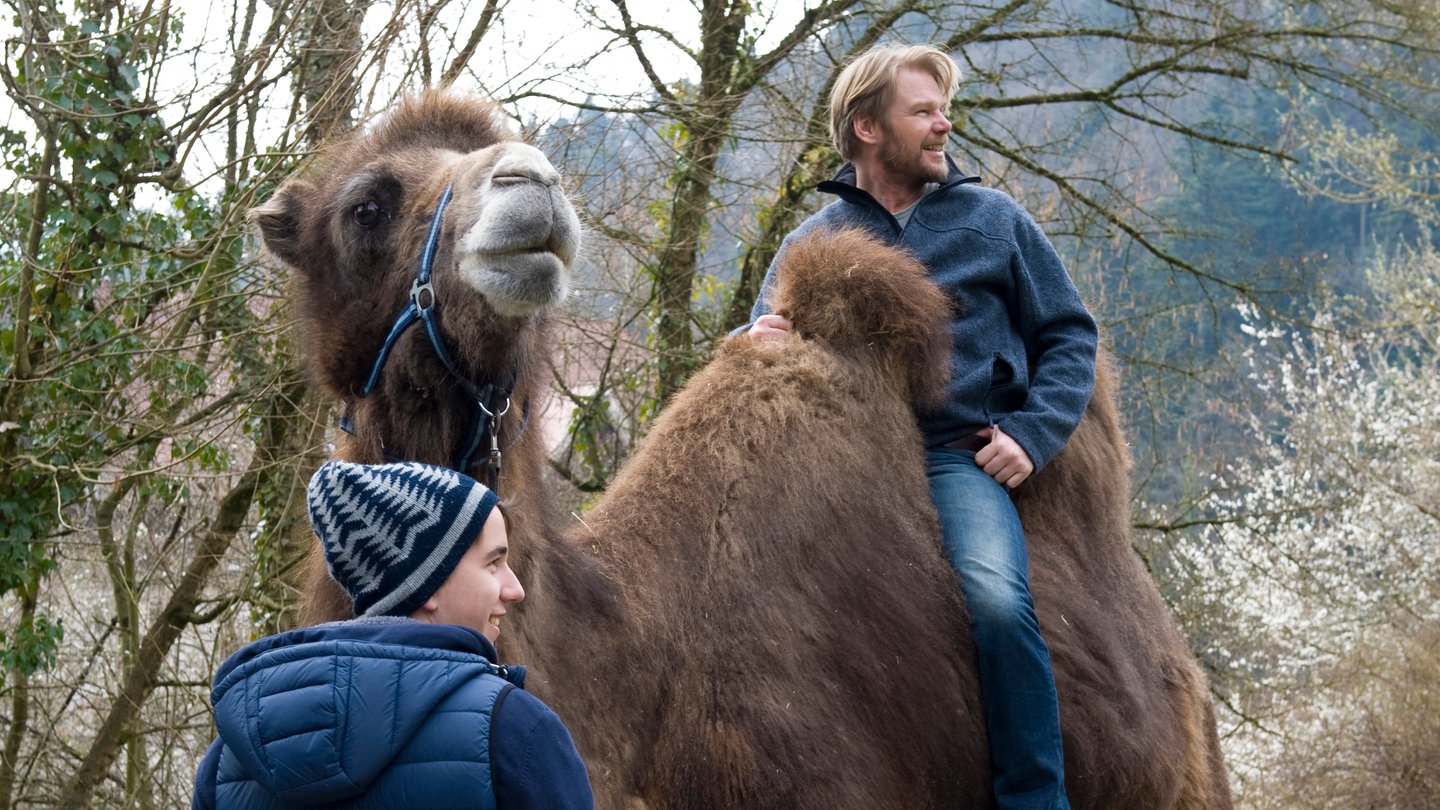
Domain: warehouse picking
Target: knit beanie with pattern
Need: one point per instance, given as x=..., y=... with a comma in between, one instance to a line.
x=392, y=533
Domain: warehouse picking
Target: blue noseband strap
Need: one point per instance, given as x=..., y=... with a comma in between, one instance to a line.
x=492, y=400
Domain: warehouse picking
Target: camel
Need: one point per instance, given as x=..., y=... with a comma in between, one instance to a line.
x=756, y=614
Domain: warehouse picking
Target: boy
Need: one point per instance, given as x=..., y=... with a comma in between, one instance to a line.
x=403, y=706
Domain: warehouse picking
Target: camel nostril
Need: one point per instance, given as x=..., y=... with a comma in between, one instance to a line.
x=526, y=167
x=515, y=179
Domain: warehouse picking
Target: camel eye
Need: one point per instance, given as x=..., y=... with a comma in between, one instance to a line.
x=368, y=214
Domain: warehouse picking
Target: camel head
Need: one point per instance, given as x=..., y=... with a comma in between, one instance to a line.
x=436, y=210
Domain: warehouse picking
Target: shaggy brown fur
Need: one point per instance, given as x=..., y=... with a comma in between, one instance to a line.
x=757, y=615
x=804, y=646
x=350, y=283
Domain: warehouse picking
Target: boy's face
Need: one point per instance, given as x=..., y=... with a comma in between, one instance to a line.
x=480, y=587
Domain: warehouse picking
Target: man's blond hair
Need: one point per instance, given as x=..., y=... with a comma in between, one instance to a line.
x=867, y=85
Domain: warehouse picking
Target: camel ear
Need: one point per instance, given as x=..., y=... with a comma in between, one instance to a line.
x=279, y=221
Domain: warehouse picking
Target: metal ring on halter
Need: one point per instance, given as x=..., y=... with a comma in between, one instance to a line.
x=418, y=289
x=502, y=412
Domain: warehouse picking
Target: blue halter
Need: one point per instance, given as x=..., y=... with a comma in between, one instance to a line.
x=492, y=401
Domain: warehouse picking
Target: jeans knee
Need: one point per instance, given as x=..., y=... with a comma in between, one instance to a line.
x=1008, y=618
x=1003, y=603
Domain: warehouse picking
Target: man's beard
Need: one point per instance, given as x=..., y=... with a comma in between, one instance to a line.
x=901, y=162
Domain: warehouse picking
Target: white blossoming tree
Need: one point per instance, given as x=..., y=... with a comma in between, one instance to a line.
x=1322, y=552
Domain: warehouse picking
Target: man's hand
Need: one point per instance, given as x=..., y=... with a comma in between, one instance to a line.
x=770, y=327
x=1003, y=458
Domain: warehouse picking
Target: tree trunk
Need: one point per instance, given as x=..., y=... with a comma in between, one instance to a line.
x=329, y=70
x=19, y=708
x=674, y=271
x=779, y=219
x=181, y=608
x=707, y=123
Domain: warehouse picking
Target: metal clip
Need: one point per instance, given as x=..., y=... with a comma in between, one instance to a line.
x=493, y=427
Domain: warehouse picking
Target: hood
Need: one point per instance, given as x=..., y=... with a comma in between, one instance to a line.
x=315, y=715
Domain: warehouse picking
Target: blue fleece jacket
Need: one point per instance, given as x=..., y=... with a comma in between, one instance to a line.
x=383, y=713
x=1024, y=343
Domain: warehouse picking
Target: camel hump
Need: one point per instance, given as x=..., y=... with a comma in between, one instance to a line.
x=847, y=289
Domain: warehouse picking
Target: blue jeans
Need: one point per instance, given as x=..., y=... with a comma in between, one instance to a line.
x=985, y=545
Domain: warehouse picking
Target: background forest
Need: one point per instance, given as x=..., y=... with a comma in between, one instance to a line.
x=1244, y=190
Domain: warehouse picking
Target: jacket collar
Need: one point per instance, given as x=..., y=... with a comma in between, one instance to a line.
x=382, y=630
x=843, y=185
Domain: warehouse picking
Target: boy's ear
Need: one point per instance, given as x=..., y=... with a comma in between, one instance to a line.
x=423, y=612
